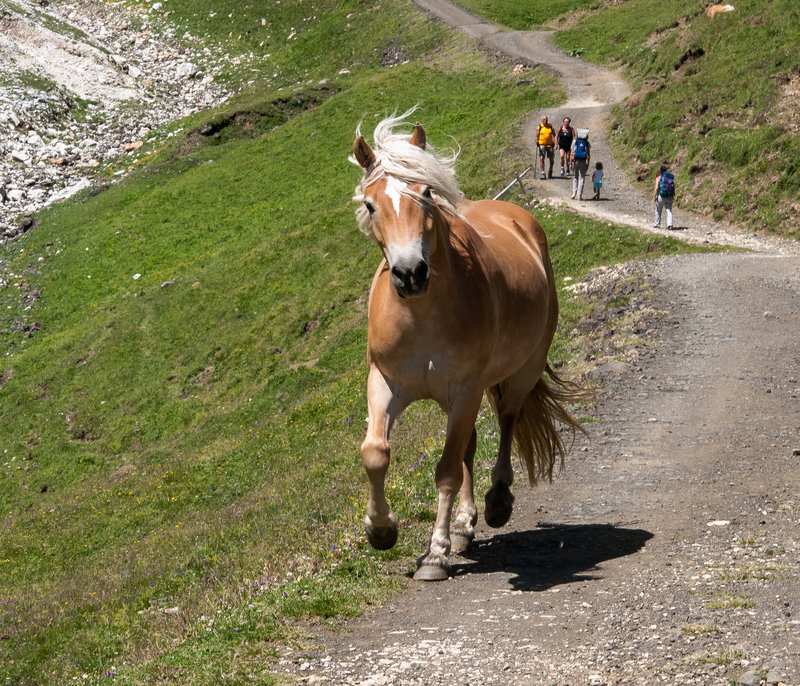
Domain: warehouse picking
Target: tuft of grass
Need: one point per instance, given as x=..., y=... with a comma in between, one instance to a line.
x=724, y=601
x=700, y=629
x=724, y=657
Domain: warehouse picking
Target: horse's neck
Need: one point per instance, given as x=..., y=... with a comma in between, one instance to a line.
x=455, y=239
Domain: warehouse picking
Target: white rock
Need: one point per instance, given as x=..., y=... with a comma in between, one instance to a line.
x=186, y=70
x=20, y=156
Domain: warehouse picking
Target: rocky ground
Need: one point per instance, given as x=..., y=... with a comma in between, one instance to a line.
x=82, y=84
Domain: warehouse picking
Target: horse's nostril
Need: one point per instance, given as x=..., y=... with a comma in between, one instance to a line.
x=411, y=280
x=399, y=277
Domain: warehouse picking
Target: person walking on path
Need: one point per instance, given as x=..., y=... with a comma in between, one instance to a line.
x=663, y=194
x=545, y=142
x=566, y=134
x=581, y=153
x=597, y=180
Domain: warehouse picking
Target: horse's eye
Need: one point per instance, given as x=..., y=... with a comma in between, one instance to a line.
x=427, y=193
x=370, y=207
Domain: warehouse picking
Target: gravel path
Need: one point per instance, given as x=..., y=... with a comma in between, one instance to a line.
x=669, y=549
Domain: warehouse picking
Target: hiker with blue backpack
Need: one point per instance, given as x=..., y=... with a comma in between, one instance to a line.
x=663, y=194
x=581, y=154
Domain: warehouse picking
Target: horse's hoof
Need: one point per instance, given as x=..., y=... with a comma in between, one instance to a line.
x=499, y=503
x=432, y=573
x=460, y=541
x=381, y=537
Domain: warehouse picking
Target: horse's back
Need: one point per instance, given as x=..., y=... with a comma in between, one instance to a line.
x=492, y=216
x=513, y=251
x=512, y=242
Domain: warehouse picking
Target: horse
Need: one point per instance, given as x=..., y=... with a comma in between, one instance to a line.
x=463, y=302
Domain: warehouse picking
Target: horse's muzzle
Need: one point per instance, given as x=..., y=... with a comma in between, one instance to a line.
x=411, y=281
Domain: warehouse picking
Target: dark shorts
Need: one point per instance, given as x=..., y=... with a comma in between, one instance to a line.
x=546, y=151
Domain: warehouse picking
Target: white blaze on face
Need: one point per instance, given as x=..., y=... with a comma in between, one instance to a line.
x=394, y=191
x=408, y=253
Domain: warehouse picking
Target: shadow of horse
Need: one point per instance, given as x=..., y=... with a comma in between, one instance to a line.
x=551, y=555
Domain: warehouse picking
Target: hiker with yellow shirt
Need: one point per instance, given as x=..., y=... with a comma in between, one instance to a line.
x=545, y=142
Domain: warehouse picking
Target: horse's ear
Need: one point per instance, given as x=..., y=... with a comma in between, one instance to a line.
x=364, y=155
x=418, y=137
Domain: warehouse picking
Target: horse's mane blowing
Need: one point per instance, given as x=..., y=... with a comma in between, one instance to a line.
x=396, y=156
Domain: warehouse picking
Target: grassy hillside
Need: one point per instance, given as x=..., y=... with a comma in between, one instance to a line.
x=181, y=358
x=716, y=98
x=524, y=15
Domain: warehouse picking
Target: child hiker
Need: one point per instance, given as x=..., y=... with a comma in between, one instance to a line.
x=597, y=180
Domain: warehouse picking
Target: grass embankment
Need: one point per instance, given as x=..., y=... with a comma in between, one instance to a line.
x=182, y=371
x=524, y=16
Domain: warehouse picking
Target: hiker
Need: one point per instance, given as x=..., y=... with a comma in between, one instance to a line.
x=597, y=180
x=580, y=154
x=663, y=194
x=545, y=140
x=565, y=136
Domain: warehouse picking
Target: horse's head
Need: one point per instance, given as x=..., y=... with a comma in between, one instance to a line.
x=400, y=198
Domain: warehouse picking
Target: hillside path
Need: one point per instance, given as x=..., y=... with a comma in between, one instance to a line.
x=668, y=551
x=592, y=92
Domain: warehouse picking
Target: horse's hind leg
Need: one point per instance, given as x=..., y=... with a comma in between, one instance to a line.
x=463, y=530
x=380, y=524
x=499, y=499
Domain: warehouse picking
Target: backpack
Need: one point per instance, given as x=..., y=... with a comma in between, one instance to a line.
x=666, y=185
x=581, y=149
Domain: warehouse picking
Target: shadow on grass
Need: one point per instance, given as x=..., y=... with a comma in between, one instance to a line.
x=550, y=555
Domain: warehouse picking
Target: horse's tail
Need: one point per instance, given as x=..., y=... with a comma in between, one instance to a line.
x=537, y=439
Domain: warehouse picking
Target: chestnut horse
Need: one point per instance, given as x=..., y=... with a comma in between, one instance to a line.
x=463, y=302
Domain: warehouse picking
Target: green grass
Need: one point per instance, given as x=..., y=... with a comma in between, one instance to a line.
x=524, y=15
x=724, y=657
x=182, y=373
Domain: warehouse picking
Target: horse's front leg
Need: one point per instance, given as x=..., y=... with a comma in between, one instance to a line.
x=434, y=565
x=384, y=406
x=463, y=530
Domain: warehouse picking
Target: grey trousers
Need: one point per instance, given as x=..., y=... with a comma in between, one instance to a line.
x=579, y=168
x=663, y=203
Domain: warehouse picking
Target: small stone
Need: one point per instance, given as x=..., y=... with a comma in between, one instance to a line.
x=750, y=679
x=186, y=70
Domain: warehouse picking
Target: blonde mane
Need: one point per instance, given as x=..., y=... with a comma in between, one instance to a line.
x=396, y=156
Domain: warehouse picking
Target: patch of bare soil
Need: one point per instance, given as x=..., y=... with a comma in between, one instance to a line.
x=668, y=551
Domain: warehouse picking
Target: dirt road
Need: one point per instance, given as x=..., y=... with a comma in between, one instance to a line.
x=669, y=550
